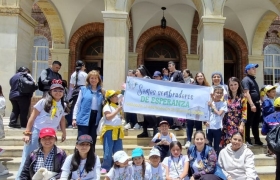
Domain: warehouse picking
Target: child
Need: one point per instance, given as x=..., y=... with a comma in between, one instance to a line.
x=155, y=170
x=176, y=166
x=217, y=112
x=121, y=169
x=138, y=164
x=162, y=140
x=267, y=105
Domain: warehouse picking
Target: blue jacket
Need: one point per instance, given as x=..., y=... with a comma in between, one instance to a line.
x=270, y=122
x=209, y=159
x=267, y=107
x=85, y=106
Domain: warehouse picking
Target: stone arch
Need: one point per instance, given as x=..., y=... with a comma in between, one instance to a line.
x=194, y=35
x=240, y=46
x=55, y=23
x=156, y=33
x=212, y=8
x=84, y=33
x=262, y=28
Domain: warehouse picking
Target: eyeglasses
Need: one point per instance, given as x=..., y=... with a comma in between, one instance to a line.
x=56, y=90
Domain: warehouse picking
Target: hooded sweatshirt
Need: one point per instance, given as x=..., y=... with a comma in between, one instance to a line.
x=239, y=165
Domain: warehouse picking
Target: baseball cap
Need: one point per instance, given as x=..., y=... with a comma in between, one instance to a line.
x=156, y=74
x=277, y=102
x=268, y=88
x=154, y=152
x=110, y=93
x=163, y=122
x=137, y=152
x=120, y=156
x=47, y=132
x=84, y=138
x=249, y=66
x=56, y=83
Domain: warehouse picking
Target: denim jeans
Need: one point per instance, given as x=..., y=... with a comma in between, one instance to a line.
x=190, y=124
x=214, y=134
x=28, y=148
x=110, y=146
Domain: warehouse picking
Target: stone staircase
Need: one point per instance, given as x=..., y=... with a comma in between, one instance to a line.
x=13, y=146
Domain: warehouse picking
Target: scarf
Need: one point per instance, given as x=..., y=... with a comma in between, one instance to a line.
x=54, y=109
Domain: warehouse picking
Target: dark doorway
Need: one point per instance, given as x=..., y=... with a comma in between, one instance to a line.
x=153, y=66
x=230, y=62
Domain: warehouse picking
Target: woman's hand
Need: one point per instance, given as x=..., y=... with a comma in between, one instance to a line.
x=74, y=123
x=241, y=127
x=63, y=137
x=26, y=139
x=192, y=178
x=253, y=108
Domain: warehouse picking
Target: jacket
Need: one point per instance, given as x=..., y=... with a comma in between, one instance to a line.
x=238, y=164
x=209, y=159
x=270, y=122
x=176, y=76
x=84, y=108
x=14, y=92
x=27, y=172
x=267, y=107
x=47, y=75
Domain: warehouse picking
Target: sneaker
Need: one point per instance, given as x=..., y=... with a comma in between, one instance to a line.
x=136, y=126
x=6, y=171
x=1, y=151
x=176, y=129
x=259, y=143
x=127, y=126
x=249, y=144
x=188, y=144
x=103, y=171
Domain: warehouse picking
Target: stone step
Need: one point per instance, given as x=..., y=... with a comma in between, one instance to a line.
x=264, y=172
x=13, y=163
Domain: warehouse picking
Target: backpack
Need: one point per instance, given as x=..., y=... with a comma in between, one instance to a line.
x=40, y=84
x=25, y=84
x=273, y=139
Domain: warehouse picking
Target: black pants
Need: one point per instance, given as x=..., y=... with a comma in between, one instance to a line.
x=164, y=151
x=150, y=121
x=253, y=119
x=21, y=106
x=90, y=129
x=214, y=134
x=209, y=177
x=277, y=167
x=69, y=117
x=131, y=118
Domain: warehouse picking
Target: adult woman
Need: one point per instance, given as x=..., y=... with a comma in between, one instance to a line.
x=48, y=156
x=78, y=79
x=236, y=116
x=203, y=160
x=83, y=164
x=188, y=76
x=149, y=120
x=47, y=112
x=198, y=80
x=217, y=80
x=87, y=111
x=20, y=101
x=237, y=160
x=112, y=131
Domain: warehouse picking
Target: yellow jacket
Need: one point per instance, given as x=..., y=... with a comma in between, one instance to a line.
x=115, y=132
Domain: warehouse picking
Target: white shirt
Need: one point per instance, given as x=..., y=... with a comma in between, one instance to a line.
x=225, y=88
x=155, y=173
x=94, y=174
x=116, y=121
x=167, y=137
x=197, y=163
x=125, y=173
x=216, y=121
x=137, y=170
x=82, y=76
x=2, y=105
x=44, y=120
x=175, y=165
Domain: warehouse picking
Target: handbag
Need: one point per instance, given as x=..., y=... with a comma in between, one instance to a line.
x=100, y=126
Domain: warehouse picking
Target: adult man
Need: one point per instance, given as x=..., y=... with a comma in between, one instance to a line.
x=175, y=76
x=251, y=91
x=47, y=75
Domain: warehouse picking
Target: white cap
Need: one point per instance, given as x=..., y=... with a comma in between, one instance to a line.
x=120, y=156
x=154, y=152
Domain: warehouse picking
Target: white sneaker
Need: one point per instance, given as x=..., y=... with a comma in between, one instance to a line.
x=249, y=145
x=6, y=171
x=188, y=144
x=136, y=126
x=127, y=126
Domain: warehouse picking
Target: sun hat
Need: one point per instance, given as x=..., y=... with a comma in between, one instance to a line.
x=269, y=87
x=110, y=93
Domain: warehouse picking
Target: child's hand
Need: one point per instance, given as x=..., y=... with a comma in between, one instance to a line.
x=207, y=124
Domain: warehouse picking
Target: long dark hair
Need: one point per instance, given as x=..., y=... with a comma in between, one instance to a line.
x=76, y=160
x=189, y=72
x=144, y=71
x=1, y=92
x=239, y=90
x=143, y=166
x=48, y=103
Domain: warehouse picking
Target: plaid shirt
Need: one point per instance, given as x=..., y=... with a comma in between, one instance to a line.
x=40, y=162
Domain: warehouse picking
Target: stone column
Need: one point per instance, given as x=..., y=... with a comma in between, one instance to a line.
x=132, y=60
x=115, y=62
x=16, y=45
x=211, y=45
x=62, y=55
x=193, y=63
x=258, y=59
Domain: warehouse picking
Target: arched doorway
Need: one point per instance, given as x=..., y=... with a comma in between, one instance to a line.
x=92, y=54
x=230, y=62
x=158, y=53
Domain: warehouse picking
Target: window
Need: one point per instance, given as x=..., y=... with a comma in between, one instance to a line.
x=40, y=57
x=271, y=64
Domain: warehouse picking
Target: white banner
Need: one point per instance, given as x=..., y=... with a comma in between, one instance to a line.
x=162, y=98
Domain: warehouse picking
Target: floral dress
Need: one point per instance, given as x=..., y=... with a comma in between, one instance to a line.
x=237, y=113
